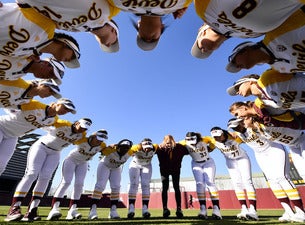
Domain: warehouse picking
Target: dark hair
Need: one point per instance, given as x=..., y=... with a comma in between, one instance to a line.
x=146, y=139
x=65, y=36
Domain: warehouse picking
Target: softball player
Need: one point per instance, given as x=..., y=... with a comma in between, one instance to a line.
x=76, y=163
x=43, y=159
x=31, y=116
x=239, y=167
x=276, y=174
x=290, y=119
x=110, y=168
x=242, y=18
x=204, y=169
x=18, y=92
x=140, y=168
x=281, y=48
x=150, y=26
x=31, y=33
x=82, y=15
x=274, y=89
x=12, y=68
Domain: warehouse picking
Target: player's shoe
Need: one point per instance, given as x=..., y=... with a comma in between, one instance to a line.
x=285, y=217
x=93, y=214
x=252, y=214
x=179, y=213
x=54, y=214
x=113, y=214
x=145, y=212
x=166, y=213
x=31, y=216
x=203, y=212
x=131, y=210
x=216, y=213
x=243, y=213
x=73, y=214
x=14, y=214
x=299, y=216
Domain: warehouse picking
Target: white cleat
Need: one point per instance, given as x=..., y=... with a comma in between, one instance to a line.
x=299, y=216
x=73, y=214
x=93, y=214
x=145, y=212
x=243, y=213
x=54, y=214
x=285, y=217
x=216, y=213
x=131, y=210
x=203, y=212
x=113, y=213
x=252, y=214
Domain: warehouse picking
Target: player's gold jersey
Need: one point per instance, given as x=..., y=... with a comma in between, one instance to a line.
x=31, y=116
x=71, y=15
x=245, y=18
x=21, y=29
x=61, y=135
x=112, y=159
x=14, y=93
x=150, y=7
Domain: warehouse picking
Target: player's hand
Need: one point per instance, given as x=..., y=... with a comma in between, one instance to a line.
x=179, y=13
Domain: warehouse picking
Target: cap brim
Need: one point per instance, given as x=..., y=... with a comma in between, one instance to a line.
x=232, y=68
x=113, y=48
x=56, y=95
x=196, y=52
x=100, y=138
x=74, y=63
x=146, y=46
x=231, y=91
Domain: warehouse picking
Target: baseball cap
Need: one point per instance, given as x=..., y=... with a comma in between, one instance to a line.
x=231, y=67
x=101, y=135
x=114, y=47
x=147, y=143
x=58, y=69
x=68, y=104
x=74, y=63
x=216, y=133
x=85, y=123
x=234, y=122
x=52, y=85
x=233, y=89
x=196, y=51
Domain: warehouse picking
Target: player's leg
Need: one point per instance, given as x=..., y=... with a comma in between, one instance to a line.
x=115, y=185
x=197, y=169
x=80, y=174
x=146, y=173
x=165, y=186
x=134, y=176
x=7, y=148
x=209, y=171
x=176, y=186
x=102, y=176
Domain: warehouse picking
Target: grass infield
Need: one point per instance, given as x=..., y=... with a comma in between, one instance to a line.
x=190, y=217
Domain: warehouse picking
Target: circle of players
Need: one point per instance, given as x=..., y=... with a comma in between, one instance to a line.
x=275, y=120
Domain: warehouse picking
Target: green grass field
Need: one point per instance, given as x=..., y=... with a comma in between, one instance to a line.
x=190, y=217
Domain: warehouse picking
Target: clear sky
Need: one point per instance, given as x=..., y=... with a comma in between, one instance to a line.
x=135, y=94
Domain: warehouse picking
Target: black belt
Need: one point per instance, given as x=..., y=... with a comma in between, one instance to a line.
x=203, y=161
x=24, y=5
x=48, y=147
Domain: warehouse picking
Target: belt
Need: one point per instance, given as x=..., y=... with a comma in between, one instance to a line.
x=203, y=161
x=48, y=147
x=24, y=5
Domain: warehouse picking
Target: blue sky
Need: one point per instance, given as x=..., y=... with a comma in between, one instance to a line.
x=135, y=94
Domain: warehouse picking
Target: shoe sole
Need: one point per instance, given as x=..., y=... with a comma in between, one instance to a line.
x=55, y=217
x=203, y=217
x=215, y=217
x=18, y=218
